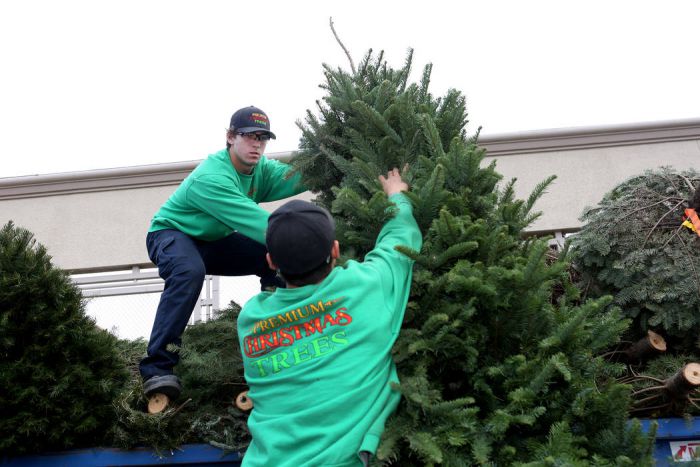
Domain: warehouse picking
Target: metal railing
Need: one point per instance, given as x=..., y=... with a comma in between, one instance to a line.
x=139, y=281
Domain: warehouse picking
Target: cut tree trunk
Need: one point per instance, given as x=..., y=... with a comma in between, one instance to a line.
x=670, y=396
x=686, y=380
x=646, y=347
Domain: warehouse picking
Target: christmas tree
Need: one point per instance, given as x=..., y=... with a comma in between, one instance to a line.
x=65, y=383
x=59, y=373
x=639, y=244
x=493, y=370
x=633, y=245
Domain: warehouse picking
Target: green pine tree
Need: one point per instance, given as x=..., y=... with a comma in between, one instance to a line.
x=492, y=372
x=59, y=373
x=633, y=246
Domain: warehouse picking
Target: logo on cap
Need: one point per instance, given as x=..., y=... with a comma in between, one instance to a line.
x=259, y=119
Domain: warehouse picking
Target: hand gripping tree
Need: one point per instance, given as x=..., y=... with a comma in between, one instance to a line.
x=492, y=372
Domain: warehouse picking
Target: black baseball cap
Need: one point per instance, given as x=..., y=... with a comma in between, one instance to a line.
x=250, y=119
x=299, y=237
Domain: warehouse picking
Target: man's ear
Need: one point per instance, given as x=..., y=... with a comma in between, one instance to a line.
x=272, y=265
x=335, y=250
x=230, y=136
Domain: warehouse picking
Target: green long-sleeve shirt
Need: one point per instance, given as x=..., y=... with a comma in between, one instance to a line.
x=318, y=360
x=215, y=200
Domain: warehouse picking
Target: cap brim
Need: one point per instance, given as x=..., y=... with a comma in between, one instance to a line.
x=253, y=129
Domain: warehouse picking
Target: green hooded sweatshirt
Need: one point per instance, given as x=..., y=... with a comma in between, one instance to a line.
x=215, y=200
x=318, y=360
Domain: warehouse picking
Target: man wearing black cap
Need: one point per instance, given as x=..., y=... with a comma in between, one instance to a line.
x=317, y=354
x=212, y=224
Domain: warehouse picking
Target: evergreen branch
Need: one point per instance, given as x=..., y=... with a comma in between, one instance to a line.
x=648, y=399
x=181, y=406
x=610, y=353
x=537, y=193
x=383, y=96
x=455, y=251
x=659, y=221
x=650, y=388
x=405, y=71
x=530, y=219
x=628, y=380
x=409, y=252
x=642, y=409
x=426, y=446
x=338, y=161
x=432, y=195
x=352, y=65
x=432, y=136
x=507, y=194
x=673, y=235
x=424, y=83
x=669, y=181
x=474, y=139
x=376, y=119
x=690, y=256
x=564, y=332
x=668, y=198
x=650, y=378
x=688, y=183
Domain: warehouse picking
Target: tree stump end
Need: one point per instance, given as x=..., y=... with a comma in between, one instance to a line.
x=691, y=373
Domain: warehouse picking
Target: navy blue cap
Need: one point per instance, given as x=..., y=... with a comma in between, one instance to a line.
x=300, y=237
x=251, y=119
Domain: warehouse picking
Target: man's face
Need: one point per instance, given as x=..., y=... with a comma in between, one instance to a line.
x=246, y=149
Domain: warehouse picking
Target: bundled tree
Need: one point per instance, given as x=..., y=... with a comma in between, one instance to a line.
x=634, y=245
x=492, y=371
x=212, y=372
x=641, y=244
x=59, y=373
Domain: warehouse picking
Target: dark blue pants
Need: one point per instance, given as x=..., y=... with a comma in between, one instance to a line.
x=182, y=263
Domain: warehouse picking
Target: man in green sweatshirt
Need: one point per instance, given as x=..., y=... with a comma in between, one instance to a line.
x=212, y=224
x=317, y=354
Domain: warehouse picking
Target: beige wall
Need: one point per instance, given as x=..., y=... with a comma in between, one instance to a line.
x=93, y=231
x=97, y=220
x=585, y=175
x=89, y=230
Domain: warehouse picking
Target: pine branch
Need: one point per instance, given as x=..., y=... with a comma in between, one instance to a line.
x=659, y=221
x=537, y=193
x=650, y=409
x=690, y=256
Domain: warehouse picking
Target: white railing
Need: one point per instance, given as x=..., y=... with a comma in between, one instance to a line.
x=138, y=281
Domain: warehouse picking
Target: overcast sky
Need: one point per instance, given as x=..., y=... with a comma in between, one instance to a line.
x=99, y=84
